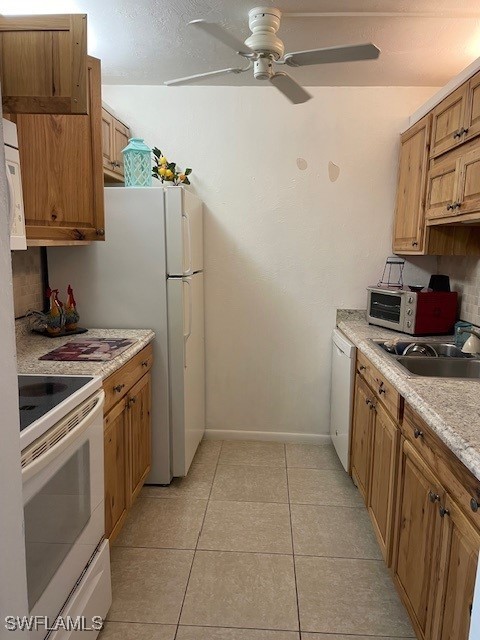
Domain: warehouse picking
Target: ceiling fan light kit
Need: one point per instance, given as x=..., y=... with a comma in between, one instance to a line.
x=263, y=49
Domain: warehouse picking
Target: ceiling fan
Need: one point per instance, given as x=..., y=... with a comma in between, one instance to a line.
x=263, y=49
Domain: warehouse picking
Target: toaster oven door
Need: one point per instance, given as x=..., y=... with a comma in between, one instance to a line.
x=385, y=308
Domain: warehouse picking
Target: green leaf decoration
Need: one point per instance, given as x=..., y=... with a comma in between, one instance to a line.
x=186, y=181
x=156, y=152
x=171, y=166
x=187, y=172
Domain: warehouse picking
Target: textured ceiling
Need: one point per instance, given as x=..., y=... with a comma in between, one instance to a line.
x=148, y=41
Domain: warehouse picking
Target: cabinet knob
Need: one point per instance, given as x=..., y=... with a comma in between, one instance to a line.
x=449, y=207
x=100, y=232
x=368, y=402
x=474, y=505
x=418, y=434
x=362, y=367
x=457, y=133
x=443, y=511
x=463, y=130
x=145, y=363
x=414, y=243
x=433, y=497
x=456, y=205
x=53, y=215
x=118, y=387
x=131, y=402
x=381, y=388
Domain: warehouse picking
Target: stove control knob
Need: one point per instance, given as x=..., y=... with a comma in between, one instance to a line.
x=410, y=299
x=409, y=311
x=409, y=324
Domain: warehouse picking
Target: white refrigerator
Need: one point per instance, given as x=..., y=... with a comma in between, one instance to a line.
x=148, y=274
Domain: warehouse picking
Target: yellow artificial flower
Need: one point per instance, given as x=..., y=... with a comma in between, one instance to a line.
x=163, y=160
x=168, y=173
x=162, y=171
x=182, y=177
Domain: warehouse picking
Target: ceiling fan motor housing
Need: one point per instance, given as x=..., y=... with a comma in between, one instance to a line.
x=264, y=23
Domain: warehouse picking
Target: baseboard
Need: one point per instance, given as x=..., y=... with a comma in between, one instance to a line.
x=267, y=436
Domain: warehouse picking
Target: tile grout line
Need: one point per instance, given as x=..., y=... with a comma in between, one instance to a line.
x=293, y=546
x=196, y=545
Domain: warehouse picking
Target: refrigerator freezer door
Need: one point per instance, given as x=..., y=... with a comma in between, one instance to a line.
x=187, y=368
x=184, y=232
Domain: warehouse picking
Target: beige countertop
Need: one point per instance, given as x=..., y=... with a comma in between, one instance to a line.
x=31, y=346
x=451, y=407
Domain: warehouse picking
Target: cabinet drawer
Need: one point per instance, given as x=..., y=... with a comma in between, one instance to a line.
x=385, y=392
x=461, y=485
x=119, y=383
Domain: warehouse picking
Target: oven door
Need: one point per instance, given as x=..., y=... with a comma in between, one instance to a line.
x=386, y=308
x=63, y=498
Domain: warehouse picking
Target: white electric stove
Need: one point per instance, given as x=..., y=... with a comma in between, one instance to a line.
x=68, y=562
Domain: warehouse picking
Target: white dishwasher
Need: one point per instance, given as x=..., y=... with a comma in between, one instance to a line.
x=343, y=375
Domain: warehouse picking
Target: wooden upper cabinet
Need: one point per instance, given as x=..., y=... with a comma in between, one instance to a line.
x=468, y=184
x=409, y=224
x=442, y=189
x=43, y=64
x=418, y=530
x=61, y=158
x=456, y=576
x=448, y=121
x=472, y=121
x=115, y=137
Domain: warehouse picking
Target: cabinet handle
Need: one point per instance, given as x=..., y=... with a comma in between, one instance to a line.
x=463, y=130
x=414, y=243
x=118, y=387
x=100, y=232
x=433, y=497
x=449, y=207
x=457, y=133
x=443, y=511
x=145, y=363
x=130, y=402
x=418, y=434
x=456, y=205
x=474, y=505
x=368, y=402
x=361, y=368
x=381, y=388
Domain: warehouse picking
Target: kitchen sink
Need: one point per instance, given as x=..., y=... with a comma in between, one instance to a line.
x=429, y=358
x=441, y=367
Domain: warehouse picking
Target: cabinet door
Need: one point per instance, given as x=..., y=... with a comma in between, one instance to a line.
x=139, y=407
x=409, y=225
x=116, y=467
x=468, y=190
x=361, y=435
x=472, y=122
x=456, y=579
x=448, y=121
x=381, y=497
x=61, y=160
x=44, y=63
x=417, y=537
x=107, y=140
x=121, y=134
x=442, y=189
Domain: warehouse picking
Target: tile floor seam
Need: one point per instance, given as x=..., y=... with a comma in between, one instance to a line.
x=293, y=547
x=196, y=545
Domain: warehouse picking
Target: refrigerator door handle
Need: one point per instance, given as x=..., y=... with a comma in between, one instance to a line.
x=187, y=335
x=189, y=241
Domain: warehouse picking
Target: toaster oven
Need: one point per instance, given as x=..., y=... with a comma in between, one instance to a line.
x=416, y=313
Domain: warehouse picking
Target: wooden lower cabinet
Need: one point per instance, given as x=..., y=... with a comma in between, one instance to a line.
x=418, y=536
x=127, y=440
x=383, y=468
x=361, y=435
x=116, y=459
x=139, y=403
x=423, y=505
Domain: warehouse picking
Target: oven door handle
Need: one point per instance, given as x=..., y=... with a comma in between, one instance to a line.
x=44, y=459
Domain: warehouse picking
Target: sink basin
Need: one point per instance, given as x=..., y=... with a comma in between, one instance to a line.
x=441, y=367
x=422, y=348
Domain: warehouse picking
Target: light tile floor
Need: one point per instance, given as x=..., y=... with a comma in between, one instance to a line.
x=261, y=541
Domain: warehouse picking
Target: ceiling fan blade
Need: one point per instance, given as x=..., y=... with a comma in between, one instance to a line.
x=290, y=88
x=216, y=31
x=348, y=53
x=200, y=76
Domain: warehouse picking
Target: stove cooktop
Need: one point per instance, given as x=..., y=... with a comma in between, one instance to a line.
x=40, y=394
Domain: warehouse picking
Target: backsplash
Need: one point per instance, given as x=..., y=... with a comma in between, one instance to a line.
x=465, y=278
x=27, y=281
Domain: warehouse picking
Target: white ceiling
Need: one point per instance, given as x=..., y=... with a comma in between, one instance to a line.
x=149, y=41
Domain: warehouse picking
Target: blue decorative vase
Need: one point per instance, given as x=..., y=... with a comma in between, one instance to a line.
x=137, y=161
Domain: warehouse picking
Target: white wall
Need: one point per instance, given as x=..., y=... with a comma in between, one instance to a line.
x=285, y=247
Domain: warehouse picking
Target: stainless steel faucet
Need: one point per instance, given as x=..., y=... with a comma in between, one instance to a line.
x=472, y=345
